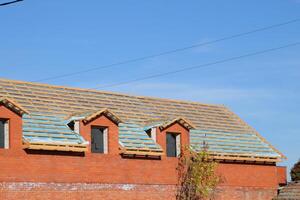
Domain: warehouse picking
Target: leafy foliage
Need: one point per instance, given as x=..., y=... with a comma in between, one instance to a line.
x=197, y=176
x=295, y=172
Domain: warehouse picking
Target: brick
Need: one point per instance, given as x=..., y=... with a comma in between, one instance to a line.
x=57, y=175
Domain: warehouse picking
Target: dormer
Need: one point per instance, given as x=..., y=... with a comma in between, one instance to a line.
x=172, y=135
x=10, y=122
x=134, y=141
x=180, y=120
x=100, y=128
x=13, y=106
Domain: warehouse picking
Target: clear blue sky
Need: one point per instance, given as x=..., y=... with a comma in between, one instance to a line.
x=45, y=38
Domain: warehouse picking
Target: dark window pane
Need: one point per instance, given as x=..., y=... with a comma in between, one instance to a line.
x=72, y=125
x=149, y=133
x=97, y=140
x=171, y=145
x=2, y=135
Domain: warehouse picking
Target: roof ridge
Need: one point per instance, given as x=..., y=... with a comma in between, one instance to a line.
x=110, y=92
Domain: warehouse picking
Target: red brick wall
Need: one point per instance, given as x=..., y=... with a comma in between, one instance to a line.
x=54, y=191
x=245, y=193
x=15, y=127
x=281, y=175
x=153, y=179
x=79, y=191
x=248, y=175
x=113, y=131
x=175, y=128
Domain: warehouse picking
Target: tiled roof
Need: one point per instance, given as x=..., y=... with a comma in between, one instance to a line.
x=289, y=192
x=63, y=101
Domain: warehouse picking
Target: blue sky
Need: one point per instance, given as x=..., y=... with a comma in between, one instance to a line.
x=39, y=39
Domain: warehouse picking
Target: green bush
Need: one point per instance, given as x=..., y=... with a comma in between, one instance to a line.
x=295, y=172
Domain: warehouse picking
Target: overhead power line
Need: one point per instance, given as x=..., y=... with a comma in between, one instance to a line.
x=169, y=51
x=11, y=2
x=206, y=65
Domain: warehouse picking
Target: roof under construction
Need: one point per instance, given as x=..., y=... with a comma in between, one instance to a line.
x=48, y=107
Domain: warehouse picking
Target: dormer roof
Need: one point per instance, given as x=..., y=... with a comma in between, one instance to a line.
x=227, y=135
x=180, y=120
x=42, y=131
x=13, y=105
x=89, y=116
x=163, y=124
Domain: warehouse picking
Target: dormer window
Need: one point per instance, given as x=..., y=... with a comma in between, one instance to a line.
x=152, y=133
x=99, y=140
x=94, y=126
x=17, y=109
x=74, y=126
x=4, y=134
x=173, y=144
x=71, y=125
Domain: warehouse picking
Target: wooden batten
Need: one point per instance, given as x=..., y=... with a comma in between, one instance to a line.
x=62, y=101
x=13, y=105
x=182, y=121
x=245, y=158
x=55, y=147
x=106, y=112
x=145, y=152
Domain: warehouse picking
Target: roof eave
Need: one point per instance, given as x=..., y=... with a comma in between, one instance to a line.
x=13, y=105
x=181, y=120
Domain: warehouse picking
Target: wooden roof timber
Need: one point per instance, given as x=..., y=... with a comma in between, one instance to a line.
x=65, y=100
x=233, y=157
x=141, y=153
x=182, y=121
x=63, y=112
x=241, y=157
x=257, y=134
x=54, y=147
x=106, y=112
x=13, y=105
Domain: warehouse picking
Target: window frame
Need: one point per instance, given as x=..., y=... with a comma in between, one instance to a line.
x=105, y=139
x=6, y=133
x=177, y=144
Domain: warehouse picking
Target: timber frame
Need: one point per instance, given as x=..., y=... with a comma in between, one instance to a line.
x=243, y=157
x=140, y=151
x=182, y=121
x=55, y=147
x=106, y=112
x=13, y=105
x=62, y=101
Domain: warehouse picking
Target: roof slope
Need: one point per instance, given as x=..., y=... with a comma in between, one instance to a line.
x=41, y=132
x=10, y=104
x=63, y=101
x=289, y=192
x=133, y=137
